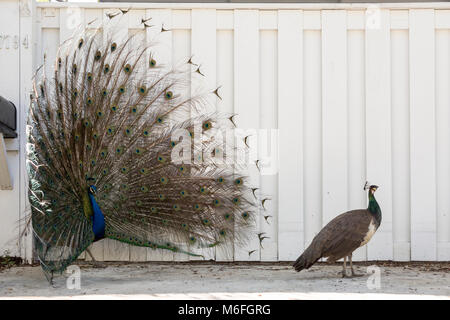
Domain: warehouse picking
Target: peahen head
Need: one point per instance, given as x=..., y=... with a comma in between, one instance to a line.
x=371, y=187
x=373, y=206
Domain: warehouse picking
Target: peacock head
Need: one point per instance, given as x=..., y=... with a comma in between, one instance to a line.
x=92, y=190
x=371, y=187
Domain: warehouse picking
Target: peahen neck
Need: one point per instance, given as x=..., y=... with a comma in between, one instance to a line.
x=374, y=208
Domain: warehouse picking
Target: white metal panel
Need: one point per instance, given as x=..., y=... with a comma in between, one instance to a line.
x=443, y=143
x=268, y=144
x=290, y=126
x=357, y=198
x=423, y=134
x=246, y=105
x=334, y=114
x=312, y=134
x=378, y=129
x=401, y=208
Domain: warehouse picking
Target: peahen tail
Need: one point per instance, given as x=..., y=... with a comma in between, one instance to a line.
x=110, y=115
x=310, y=256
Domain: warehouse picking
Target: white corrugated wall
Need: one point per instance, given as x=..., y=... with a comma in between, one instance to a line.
x=356, y=92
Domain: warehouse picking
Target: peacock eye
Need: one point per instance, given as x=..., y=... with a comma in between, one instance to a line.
x=207, y=125
x=142, y=90
x=98, y=55
x=127, y=68
x=169, y=95
x=113, y=47
x=152, y=63
x=106, y=69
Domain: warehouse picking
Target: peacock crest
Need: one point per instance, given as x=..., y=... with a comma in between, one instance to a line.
x=117, y=145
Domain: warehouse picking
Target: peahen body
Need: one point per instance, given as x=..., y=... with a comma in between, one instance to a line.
x=115, y=154
x=343, y=235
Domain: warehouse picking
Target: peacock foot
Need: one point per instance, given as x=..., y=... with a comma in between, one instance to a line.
x=98, y=265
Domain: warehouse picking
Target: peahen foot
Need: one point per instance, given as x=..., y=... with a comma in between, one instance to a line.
x=354, y=274
x=343, y=273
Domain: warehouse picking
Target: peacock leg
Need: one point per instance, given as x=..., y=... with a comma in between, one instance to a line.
x=90, y=253
x=354, y=274
x=95, y=262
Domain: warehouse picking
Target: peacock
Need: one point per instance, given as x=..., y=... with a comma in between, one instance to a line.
x=343, y=235
x=119, y=149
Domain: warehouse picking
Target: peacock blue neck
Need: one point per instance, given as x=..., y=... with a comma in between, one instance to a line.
x=374, y=208
x=97, y=218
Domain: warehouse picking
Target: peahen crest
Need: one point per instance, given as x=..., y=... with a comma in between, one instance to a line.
x=112, y=135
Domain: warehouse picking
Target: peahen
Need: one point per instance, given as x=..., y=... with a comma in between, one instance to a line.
x=343, y=235
x=119, y=150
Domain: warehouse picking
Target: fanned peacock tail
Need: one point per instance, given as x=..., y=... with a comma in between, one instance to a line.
x=105, y=116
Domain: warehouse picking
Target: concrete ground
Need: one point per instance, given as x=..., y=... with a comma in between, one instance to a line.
x=208, y=280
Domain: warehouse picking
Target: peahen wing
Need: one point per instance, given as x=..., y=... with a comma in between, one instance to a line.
x=345, y=233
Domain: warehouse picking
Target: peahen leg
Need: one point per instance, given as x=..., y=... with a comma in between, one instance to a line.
x=354, y=274
x=344, y=268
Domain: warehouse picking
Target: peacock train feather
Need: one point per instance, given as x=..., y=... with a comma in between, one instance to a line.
x=100, y=163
